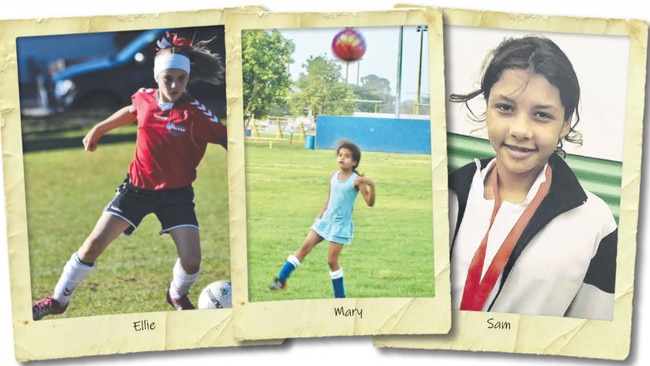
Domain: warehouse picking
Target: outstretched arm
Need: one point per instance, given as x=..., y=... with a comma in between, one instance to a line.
x=367, y=188
x=120, y=118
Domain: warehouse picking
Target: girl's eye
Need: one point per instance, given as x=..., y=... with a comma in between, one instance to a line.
x=170, y=80
x=503, y=107
x=544, y=116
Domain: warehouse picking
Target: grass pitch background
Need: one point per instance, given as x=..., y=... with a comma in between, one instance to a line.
x=66, y=191
x=391, y=254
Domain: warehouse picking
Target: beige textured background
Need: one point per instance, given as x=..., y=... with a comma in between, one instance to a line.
x=343, y=351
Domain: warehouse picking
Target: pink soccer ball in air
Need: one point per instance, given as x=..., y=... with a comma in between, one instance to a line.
x=349, y=45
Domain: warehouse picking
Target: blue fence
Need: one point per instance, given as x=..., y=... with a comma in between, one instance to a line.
x=411, y=136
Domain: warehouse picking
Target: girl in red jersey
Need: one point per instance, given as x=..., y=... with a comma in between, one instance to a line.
x=173, y=132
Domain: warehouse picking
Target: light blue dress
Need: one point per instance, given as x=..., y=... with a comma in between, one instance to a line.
x=336, y=223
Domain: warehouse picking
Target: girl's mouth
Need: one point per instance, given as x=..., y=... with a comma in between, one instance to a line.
x=520, y=148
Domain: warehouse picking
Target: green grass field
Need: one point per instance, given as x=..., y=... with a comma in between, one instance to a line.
x=66, y=190
x=391, y=254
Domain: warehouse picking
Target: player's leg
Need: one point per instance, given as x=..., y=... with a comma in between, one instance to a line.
x=294, y=260
x=187, y=268
x=336, y=271
x=80, y=265
x=178, y=219
x=307, y=245
x=106, y=230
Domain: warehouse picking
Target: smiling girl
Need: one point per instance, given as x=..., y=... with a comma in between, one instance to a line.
x=526, y=237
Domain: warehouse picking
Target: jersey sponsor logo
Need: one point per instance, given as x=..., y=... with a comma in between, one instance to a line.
x=175, y=130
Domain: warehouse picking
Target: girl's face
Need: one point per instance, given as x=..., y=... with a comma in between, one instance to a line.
x=525, y=121
x=172, y=84
x=345, y=160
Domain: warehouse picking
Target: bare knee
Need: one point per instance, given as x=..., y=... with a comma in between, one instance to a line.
x=306, y=247
x=191, y=265
x=333, y=263
x=302, y=252
x=107, y=229
x=92, y=248
x=333, y=256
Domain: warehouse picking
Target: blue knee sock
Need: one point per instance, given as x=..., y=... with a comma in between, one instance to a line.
x=337, y=283
x=288, y=267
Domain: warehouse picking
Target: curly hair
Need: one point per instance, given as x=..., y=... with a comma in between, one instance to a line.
x=354, y=149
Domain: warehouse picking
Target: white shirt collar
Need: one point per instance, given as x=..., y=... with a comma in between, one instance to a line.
x=531, y=192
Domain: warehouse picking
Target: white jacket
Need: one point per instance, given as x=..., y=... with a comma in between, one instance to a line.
x=564, y=263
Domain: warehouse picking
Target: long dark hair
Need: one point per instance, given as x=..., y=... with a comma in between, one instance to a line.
x=206, y=65
x=537, y=55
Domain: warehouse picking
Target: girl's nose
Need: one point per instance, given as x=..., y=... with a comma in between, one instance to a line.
x=520, y=126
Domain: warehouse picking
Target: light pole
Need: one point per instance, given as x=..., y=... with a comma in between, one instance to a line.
x=400, y=45
x=421, y=29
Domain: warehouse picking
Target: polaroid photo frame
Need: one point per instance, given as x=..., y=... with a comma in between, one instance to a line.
x=609, y=56
x=33, y=200
x=271, y=214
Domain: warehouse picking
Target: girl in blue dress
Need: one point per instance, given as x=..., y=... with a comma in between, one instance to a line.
x=334, y=221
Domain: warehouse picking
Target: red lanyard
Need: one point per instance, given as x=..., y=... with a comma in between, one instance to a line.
x=476, y=290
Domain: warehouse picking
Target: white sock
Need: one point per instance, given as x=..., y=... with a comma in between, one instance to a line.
x=74, y=272
x=336, y=274
x=181, y=281
x=293, y=260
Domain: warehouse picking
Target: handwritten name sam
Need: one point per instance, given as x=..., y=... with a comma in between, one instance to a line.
x=495, y=324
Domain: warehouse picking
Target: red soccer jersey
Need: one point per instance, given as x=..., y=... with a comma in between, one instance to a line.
x=170, y=144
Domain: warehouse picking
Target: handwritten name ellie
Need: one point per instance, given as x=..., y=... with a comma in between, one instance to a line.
x=143, y=325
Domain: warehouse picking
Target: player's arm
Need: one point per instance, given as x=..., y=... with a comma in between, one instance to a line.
x=367, y=188
x=120, y=118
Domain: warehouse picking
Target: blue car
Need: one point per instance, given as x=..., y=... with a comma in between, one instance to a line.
x=109, y=82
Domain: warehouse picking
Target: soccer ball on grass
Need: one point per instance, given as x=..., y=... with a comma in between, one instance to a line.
x=217, y=295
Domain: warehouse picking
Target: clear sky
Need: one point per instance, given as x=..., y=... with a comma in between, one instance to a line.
x=381, y=57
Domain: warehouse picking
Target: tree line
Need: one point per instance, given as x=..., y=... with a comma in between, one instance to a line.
x=319, y=89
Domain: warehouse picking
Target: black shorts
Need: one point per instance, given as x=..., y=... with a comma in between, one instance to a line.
x=173, y=207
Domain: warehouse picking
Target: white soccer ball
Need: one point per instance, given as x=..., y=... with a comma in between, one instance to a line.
x=217, y=295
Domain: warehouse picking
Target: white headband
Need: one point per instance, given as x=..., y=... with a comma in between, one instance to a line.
x=170, y=61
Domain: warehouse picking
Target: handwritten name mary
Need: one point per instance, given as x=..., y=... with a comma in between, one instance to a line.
x=341, y=311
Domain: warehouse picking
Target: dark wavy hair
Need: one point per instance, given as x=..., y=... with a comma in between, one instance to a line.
x=354, y=149
x=536, y=55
